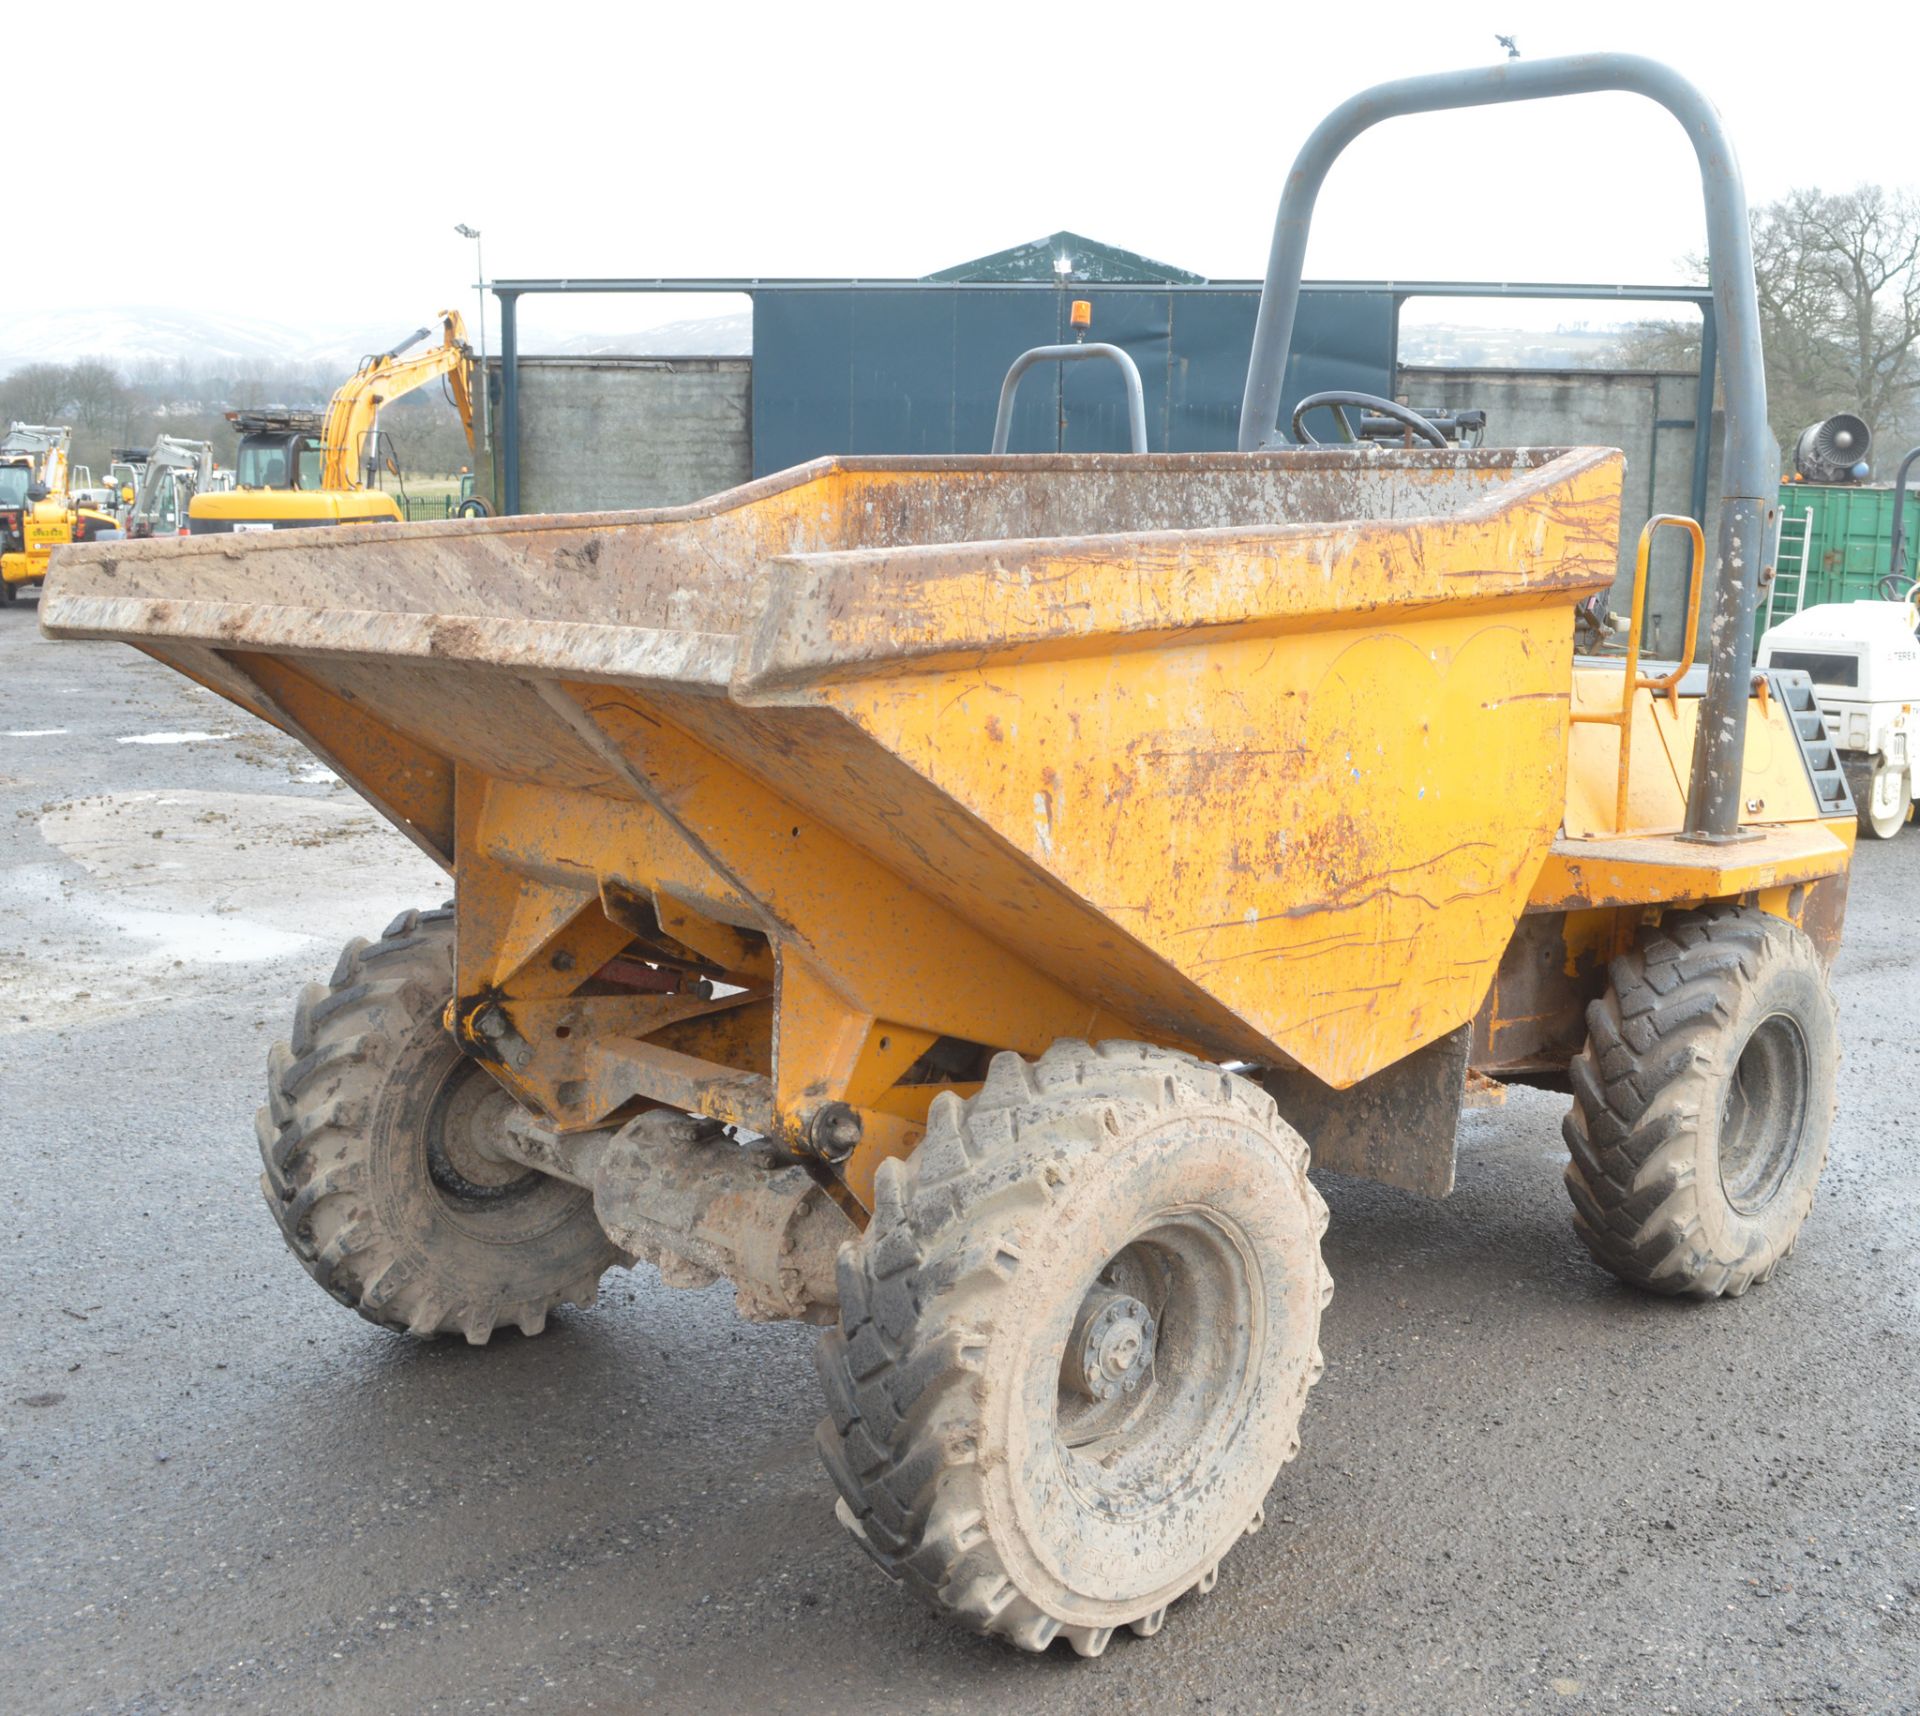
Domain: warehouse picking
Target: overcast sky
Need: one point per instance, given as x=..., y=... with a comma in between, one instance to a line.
x=870, y=139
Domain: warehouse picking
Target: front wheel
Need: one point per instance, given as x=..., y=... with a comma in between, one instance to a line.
x=1075, y=1342
x=1703, y=1103
x=375, y=1141
x=1882, y=796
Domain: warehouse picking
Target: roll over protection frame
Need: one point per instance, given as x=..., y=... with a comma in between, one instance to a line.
x=1749, y=460
x=1129, y=373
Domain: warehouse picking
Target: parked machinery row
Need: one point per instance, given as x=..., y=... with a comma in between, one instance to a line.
x=41, y=504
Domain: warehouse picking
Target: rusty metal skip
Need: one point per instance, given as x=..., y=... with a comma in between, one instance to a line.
x=950, y=896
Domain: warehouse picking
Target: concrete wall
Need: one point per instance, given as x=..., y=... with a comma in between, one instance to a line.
x=608, y=433
x=1648, y=415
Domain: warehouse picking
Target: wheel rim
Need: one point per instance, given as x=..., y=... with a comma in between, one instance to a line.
x=1765, y=1115
x=1157, y=1364
x=1888, y=808
x=468, y=1109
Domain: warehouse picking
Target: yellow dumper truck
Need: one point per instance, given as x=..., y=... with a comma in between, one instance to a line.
x=948, y=897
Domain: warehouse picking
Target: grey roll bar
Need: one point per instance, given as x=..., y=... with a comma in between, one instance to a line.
x=1129, y=370
x=1897, y=549
x=1749, y=460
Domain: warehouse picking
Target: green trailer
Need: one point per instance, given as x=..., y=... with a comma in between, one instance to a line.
x=1836, y=540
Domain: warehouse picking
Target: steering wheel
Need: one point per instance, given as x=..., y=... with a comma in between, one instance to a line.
x=1337, y=402
x=1898, y=587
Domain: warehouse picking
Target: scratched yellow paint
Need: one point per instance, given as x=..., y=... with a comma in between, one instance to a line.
x=1313, y=776
x=1773, y=779
x=1309, y=778
x=1774, y=786
x=1663, y=870
x=1332, y=832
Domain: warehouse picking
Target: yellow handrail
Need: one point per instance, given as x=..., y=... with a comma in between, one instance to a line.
x=1631, y=682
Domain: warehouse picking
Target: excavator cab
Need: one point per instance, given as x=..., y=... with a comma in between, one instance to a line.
x=16, y=483
x=280, y=481
x=278, y=450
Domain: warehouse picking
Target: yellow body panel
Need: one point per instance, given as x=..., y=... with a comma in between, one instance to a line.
x=1332, y=831
x=1656, y=790
x=1663, y=871
x=1774, y=784
x=287, y=509
x=1593, y=864
x=1773, y=781
x=46, y=526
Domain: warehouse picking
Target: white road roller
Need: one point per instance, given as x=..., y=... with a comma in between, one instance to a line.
x=1864, y=661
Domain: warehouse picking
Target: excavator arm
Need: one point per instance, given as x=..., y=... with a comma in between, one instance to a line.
x=353, y=416
x=168, y=456
x=46, y=446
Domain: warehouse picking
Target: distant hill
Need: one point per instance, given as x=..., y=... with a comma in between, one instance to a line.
x=1465, y=345
x=704, y=336
x=133, y=336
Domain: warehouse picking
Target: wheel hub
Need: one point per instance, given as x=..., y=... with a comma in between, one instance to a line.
x=1764, y=1118
x=466, y=1129
x=1111, y=1352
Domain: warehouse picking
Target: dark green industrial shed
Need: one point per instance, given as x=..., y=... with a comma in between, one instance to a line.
x=914, y=366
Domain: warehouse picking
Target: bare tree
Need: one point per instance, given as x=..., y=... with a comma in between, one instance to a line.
x=1658, y=345
x=1838, y=280
x=36, y=393
x=1839, y=283
x=1865, y=247
x=96, y=391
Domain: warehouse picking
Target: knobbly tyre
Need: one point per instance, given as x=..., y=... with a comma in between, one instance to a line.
x=947, y=898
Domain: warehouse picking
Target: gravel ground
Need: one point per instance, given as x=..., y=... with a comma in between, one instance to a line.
x=1522, y=1487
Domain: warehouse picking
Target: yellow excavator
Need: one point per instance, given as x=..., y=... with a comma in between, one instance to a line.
x=296, y=469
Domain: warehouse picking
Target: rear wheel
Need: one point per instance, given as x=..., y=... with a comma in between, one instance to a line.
x=376, y=1144
x=1075, y=1342
x=1702, y=1103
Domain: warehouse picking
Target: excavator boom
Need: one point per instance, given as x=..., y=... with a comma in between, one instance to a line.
x=353, y=417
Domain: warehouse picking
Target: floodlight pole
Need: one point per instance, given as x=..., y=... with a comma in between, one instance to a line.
x=480, y=293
